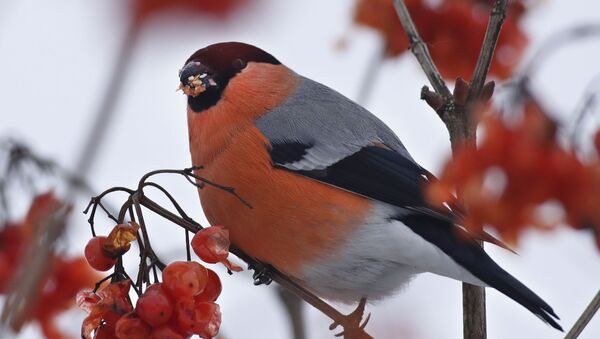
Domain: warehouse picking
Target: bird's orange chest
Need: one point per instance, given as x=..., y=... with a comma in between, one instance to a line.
x=293, y=220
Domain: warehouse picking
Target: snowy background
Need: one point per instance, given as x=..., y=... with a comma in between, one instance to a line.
x=55, y=59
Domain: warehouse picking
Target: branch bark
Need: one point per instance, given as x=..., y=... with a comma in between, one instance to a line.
x=457, y=115
x=421, y=52
x=585, y=318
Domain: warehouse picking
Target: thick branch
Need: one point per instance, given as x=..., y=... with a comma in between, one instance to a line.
x=419, y=49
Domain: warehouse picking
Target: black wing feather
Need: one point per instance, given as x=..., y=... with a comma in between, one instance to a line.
x=470, y=255
x=375, y=172
x=384, y=175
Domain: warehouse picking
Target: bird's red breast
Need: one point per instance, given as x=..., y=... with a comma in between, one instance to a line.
x=294, y=220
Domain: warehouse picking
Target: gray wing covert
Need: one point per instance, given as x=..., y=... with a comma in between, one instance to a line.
x=320, y=127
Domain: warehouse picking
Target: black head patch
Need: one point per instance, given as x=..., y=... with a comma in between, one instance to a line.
x=221, y=62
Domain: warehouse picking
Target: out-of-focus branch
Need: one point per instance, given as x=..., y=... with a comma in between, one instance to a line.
x=585, y=318
x=33, y=269
x=367, y=83
x=555, y=42
x=293, y=306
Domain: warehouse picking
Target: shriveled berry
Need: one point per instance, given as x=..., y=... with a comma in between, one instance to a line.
x=96, y=256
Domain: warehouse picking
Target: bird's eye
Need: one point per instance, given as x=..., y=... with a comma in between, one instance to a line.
x=239, y=64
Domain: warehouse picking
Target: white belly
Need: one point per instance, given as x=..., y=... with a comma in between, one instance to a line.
x=379, y=258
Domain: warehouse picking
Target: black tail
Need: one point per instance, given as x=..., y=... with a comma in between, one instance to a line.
x=472, y=257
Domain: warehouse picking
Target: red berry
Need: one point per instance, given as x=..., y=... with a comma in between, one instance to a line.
x=211, y=244
x=154, y=306
x=95, y=255
x=166, y=332
x=208, y=316
x=184, y=279
x=212, y=290
x=130, y=326
x=202, y=318
x=185, y=315
x=105, y=332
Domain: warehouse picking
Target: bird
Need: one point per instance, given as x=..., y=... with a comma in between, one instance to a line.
x=334, y=199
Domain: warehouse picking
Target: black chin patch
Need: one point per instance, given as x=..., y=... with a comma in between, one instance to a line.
x=205, y=100
x=224, y=60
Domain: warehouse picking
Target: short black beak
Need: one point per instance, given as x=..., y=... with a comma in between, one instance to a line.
x=191, y=69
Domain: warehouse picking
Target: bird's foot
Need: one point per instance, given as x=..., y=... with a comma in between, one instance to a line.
x=262, y=274
x=353, y=322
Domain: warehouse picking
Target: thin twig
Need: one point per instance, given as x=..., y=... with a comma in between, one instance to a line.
x=420, y=50
x=585, y=318
x=497, y=17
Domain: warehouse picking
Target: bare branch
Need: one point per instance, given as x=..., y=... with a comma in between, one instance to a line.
x=419, y=49
x=497, y=17
x=585, y=318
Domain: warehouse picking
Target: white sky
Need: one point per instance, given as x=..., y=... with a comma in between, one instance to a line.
x=55, y=59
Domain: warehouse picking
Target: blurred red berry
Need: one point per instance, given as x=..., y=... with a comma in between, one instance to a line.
x=142, y=9
x=453, y=31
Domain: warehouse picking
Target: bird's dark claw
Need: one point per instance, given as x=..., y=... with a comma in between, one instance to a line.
x=261, y=274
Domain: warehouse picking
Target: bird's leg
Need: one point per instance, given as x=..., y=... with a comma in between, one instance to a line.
x=353, y=322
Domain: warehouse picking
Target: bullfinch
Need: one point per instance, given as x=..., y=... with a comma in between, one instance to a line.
x=336, y=200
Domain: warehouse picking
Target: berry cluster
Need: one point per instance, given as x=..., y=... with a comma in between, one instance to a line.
x=62, y=281
x=182, y=305
x=517, y=168
x=453, y=31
